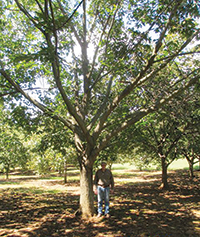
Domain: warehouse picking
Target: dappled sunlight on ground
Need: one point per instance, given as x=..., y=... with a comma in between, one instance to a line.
x=46, y=208
x=43, y=184
x=135, y=176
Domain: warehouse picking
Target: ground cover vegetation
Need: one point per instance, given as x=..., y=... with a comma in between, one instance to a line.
x=82, y=73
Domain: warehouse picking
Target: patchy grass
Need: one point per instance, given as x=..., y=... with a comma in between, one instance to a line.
x=175, y=165
x=179, y=164
x=45, y=207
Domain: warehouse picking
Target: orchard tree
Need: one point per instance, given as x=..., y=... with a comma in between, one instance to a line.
x=60, y=141
x=189, y=145
x=163, y=136
x=97, y=59
x=190, y=150
x=156, y=139
x=13, y=153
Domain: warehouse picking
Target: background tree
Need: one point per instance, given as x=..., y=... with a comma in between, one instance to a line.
x=13, y=153
x=188, y=146
x=98, y=59
x=58, y=142
x=160, y=135
x=190, y=151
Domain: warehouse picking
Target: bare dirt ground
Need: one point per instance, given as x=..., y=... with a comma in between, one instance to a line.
x=32, y=207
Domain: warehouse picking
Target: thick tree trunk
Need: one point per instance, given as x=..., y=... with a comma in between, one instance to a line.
x=86, y=191
x=164, y=184
x=190, y=161
x=191, y=169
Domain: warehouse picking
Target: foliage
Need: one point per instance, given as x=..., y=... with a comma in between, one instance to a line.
x=50, y=147
x=188, y=146
x=159, y=136
x=12, y=150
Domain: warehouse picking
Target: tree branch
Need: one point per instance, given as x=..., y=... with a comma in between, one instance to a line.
x=29, y=16
x=136, y=116
x=103, y=105
x=69, y=21
x=70, y=17
x=176, y=55
x=27, y=89
x=130, y=87
x=46, y=110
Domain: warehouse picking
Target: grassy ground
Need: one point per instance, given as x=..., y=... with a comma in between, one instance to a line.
x=45, y=207
x=175, y=165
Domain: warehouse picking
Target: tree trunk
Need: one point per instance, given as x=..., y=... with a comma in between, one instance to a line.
x=199, y=162
x=7, y=168
x=164, y=184
x=65, y=171
x=191, y=169
x=190, y=161
x=86, y=191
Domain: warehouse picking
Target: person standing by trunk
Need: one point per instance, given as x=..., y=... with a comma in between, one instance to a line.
x=103, y=185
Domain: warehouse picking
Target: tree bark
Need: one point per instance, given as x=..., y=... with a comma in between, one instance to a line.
x=190, y=160
x=65, y=171
x=86, y=191
x=7, y=172
x=199, y=162
x=191, y=169
x=191, y=166
x=164, y=184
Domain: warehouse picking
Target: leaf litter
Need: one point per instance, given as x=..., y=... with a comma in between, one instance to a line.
x=138, y=209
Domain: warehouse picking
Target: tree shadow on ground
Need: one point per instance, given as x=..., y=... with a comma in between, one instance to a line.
x=137, y=210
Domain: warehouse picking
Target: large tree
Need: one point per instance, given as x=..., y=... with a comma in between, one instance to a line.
x=98, y=59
